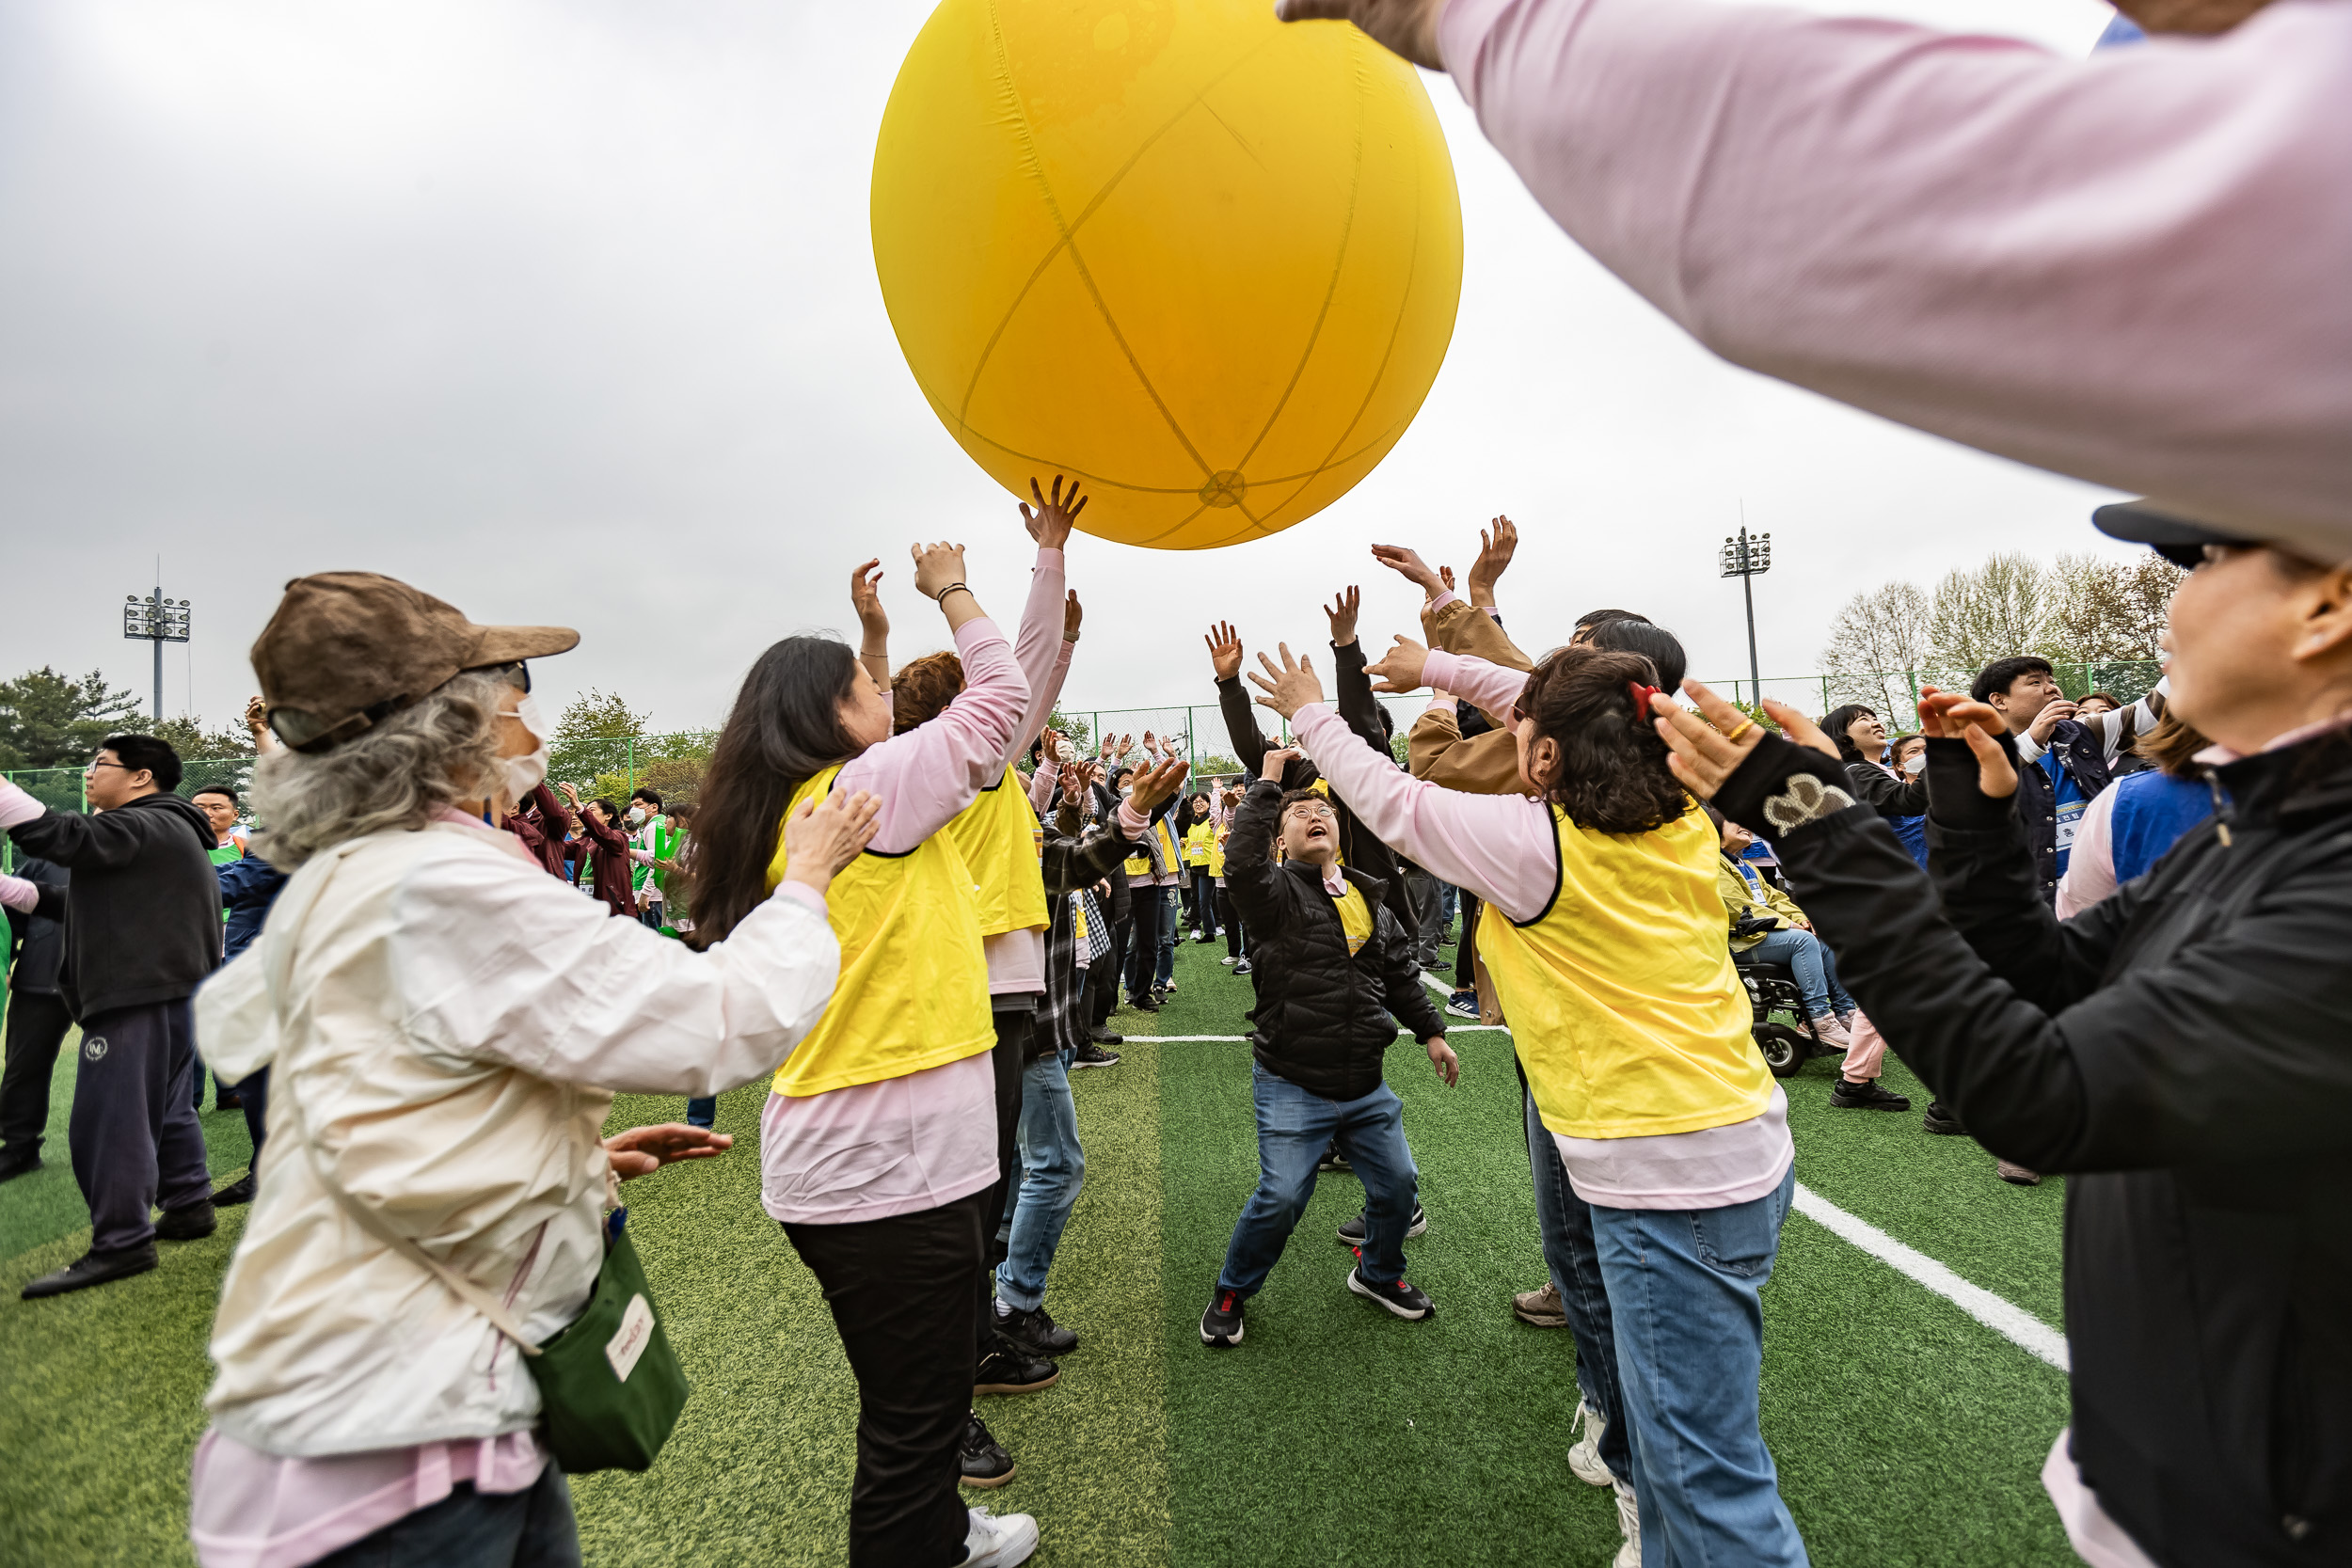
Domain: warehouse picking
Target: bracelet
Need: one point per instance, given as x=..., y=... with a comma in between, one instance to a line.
x=941, y=597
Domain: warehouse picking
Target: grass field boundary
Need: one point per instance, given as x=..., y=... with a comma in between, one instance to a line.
x=2012, y=1323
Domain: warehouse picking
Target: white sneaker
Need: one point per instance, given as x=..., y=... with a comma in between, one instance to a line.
x=1227, y=961
x=1585, y=1459
x=994, y=1543
x=1628, y=1525
x=1832, y=1032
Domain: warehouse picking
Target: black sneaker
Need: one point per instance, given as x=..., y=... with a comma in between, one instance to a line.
x=1242, y=968
x=984, y=1459
x=1103, y=1035
x=1091, y=1055
x=1332, y=1161
x=1013, y=1372
x=1406, y=1301
x=1355, y=1230
x=1220, y=1326
x=1144, y=1003
x=1463, y=1004
x=1846, y=1094
x=239, y=1191
x=11, y=1169
x=1035, y=1334
x=192, y=1224
x=91, y=1269
x=1938, y=1119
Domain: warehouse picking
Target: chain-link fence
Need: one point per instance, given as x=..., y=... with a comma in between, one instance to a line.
x=1893, y=694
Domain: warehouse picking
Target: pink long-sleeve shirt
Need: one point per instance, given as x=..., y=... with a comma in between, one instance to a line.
x=1505, y=849
x=907, y=1144
x=1016, y=959
x=2130, y=268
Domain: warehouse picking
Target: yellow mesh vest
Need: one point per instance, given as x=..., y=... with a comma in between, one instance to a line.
x=914, y=987
x=1217, y=852
x=1003, y=844
x=1140, y=864
x=1196, y=844
x=1622, y=999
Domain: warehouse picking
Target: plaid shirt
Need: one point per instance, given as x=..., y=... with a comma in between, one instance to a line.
x=1077, y=856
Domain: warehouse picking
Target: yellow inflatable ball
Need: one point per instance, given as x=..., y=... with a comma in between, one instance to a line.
x=1204, y=260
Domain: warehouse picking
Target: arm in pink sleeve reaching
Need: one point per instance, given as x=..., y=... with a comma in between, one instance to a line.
x=2128, y=268
x=1043, y=655
x=1042, y=785
x=19, y=895
x=1502, y=848
x=1487, y=686
x=938, y=767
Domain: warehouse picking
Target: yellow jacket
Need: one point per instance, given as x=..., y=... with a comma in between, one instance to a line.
x=1762, y=898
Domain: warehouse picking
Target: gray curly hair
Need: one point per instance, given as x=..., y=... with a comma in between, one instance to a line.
x=398, y=774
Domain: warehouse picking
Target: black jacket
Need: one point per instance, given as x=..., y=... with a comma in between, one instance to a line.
x=2081, y=754
x=143, y=922
x=2181, y=1050
x=1323, y=1019
x=36, y=936
x=1357, y=847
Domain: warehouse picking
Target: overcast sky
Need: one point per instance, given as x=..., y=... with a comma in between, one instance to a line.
x=566, y=312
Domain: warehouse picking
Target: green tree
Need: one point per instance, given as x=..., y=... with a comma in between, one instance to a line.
x=598, y=734
x=50, y=720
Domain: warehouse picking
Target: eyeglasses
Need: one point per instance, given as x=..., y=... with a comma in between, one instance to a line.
x=97, y=764
x=517, y=674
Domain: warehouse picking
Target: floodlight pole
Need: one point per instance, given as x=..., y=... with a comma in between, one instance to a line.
x=1745, y=557
x=157, y=620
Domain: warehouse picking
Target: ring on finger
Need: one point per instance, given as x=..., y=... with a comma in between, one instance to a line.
x=1745, y=725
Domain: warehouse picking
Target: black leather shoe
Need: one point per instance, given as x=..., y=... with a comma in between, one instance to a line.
x=983, y=1459
x=1006, y=1371
x=1941, y=1120
x=1036, y=1334
x=11, y=1169
x=1101, y=1034
x=239, y=1191
x=91, y=1269
x=192, y=1224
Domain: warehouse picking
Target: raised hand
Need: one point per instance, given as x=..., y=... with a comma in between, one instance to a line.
x=2053, y=713
x=1495, y=551
x=1073, y=614
x=1406, y=28
x=1946, y=715
x=1400, y=669
x=1050, y=524
x=1293, y=686
x=643, y=1150
x=866, y=598
x=1155, y=785
x=937, y=567
x=1126, y=744
x=1412, y=568
x=1341, y=612
x=571, y=793
x=1276, y=762
x=1224, y=650
x=823, y=836
x=1445, y=575
x=1703, y=757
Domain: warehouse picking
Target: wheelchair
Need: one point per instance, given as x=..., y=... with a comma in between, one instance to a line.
x=1772, y=989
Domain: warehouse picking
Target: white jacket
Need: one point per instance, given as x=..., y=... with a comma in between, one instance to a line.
x=453, y=1024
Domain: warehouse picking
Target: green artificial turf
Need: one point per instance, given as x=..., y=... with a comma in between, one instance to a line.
x=1905, y=1432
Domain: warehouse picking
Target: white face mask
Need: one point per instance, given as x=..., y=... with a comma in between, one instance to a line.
x=1915, y=764
x=636, y=815
x=525, y=773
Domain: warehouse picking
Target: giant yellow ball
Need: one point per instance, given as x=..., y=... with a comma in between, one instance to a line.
x=1202, y=259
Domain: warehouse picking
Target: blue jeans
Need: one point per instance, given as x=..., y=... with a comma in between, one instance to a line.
x=1294, y=1128
x=1171, y=922
x=1449, y=898
x=1684, y=1294
x=1566, y=1221
x=1816, y=968
x=530, y=1528
x=700, y=1111
x=1052, y=1167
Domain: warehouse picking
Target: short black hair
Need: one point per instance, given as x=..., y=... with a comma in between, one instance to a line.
x=612, y=812
x=2002, y=673
x=642, y=793
x=219, y=790
x=1592, y=617
x=135, y=751
x=1631, y=634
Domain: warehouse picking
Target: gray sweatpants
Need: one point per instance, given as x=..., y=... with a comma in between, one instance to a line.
x=134, y=1133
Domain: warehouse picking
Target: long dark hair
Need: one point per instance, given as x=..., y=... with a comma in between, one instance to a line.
x=1839, y=720
x=785, y=727
x=1613, y=777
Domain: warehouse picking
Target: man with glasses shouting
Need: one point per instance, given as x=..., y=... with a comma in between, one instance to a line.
x=142, y=930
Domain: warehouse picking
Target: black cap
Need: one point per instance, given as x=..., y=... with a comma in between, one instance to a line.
x=2175, y=538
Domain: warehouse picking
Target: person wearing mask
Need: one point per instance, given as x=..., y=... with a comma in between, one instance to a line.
x=999, y=839
x=1862, y=746
x=604, y=842
x=1198, y=836
x=651, y=839
x=142, y=930
x=2140, y=816
x=1335, y=979
x=1907, y=757
x=39, y=1018
x=1604, y=938
x=222, y=808
x=2176, y=1049
x=418, y=980
x=878, y=1145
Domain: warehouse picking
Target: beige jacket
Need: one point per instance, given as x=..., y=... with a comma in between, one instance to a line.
x=445, y=1025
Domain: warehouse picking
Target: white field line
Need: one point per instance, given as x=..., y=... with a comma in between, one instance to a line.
x=2013, y=1323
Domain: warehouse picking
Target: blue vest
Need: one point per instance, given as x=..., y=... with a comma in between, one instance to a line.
x=2152, y=811
x=1913, y=831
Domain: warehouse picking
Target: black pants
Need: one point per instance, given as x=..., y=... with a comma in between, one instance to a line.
x=253, y=1099
x=1103, y=975
x=1465, y=974
x=1143, y=943
x=902, y=1295
x=1236, y=941
x=38, y=1023
x=1015, y=1035
x=134, y=1131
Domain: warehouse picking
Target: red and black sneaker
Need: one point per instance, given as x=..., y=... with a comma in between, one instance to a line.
x=1220, y=1326
x=1406, y=1301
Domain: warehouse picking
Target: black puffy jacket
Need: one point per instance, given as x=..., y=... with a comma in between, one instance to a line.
x=2181, y=1051
x=1323, y=1019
